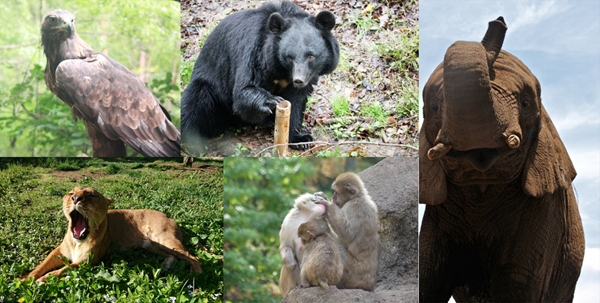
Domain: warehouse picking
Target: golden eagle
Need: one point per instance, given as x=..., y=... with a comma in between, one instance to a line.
x=116, y=106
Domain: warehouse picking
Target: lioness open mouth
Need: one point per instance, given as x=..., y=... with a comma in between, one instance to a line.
x=80, y=225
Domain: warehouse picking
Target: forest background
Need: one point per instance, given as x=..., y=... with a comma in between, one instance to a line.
x=141, y=35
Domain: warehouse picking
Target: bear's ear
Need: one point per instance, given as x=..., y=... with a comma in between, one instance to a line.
x=276, y=23
x=325, y=20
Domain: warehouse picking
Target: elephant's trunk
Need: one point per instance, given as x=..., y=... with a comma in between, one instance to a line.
x=472, y=117
x=468, y=118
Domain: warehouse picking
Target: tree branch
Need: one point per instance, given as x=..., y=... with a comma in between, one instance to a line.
x=319, y=143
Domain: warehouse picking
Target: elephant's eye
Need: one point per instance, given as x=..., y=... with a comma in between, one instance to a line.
x=525, y=100
x=434, y=108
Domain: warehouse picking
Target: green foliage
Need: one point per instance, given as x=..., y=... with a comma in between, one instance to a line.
x=401, y=51
x=33, y=122
x=168, y=94
x=35, y=119
x=340, y=131
x=310, y=101
x=344, y=62
x=240, y=150
x=374, y=109
x=258, y=194
x=364, y=23
x=331, y=153
x=186, y=73
x=67, y=165
x=409, y=99
x=33, y=224
x=340, y=105
x=113, y=168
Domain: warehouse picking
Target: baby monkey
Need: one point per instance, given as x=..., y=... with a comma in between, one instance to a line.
x=321, y=260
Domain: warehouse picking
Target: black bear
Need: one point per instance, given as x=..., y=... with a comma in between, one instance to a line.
x=252, y=60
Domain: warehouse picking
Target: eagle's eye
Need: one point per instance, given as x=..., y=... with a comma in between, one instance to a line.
x=52, y=19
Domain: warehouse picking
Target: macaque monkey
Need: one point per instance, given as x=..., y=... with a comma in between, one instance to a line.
x=321, y=260
x=305, y=209
x=353, y=217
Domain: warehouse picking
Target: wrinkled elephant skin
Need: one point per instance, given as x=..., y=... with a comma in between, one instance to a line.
x=501, y=222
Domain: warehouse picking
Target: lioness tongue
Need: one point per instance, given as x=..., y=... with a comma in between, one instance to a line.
x=79, y=227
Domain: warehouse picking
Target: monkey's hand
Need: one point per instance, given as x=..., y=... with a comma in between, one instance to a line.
x=319, y=198
x=290, y=263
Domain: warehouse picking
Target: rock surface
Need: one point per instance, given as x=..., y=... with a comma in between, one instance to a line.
x=393, y=185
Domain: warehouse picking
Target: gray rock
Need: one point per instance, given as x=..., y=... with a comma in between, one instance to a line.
x=393, y=186
x=316, y=294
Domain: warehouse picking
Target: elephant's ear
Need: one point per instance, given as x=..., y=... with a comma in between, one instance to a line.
x=548, y=166
x=432, y=179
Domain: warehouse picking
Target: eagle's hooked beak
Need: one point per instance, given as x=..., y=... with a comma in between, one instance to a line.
x=65, y=25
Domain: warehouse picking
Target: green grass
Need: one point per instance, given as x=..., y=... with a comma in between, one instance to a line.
x=340, y=105
x=33, y=224
x=186, y=73
x=373, y=109
x=401, y=51
x=331, y=153
x=409, y=98
x=364, y=23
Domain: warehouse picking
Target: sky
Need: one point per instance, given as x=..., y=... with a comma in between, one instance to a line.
x=560, y=43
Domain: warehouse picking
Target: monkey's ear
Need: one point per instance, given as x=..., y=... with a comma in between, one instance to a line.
x=310, y=234
x=349, y=189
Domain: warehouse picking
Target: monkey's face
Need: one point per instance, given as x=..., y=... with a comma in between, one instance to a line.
x=334, y=199
x=340, y=197
x=307, y=237
x=342, y=193
x=307, y=231
x=315, y=208
x=303, y=240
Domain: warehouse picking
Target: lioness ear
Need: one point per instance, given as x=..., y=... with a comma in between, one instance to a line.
x=548, y=166
x=432, y=179
x=110, y=201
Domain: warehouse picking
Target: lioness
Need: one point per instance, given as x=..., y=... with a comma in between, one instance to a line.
x=92, y=227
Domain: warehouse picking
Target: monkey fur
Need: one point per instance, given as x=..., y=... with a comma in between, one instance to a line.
x=305, y=209
x=353, y=217
x=321, y=263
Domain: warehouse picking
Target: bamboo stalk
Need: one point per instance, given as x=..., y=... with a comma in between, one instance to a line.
x=282, y=126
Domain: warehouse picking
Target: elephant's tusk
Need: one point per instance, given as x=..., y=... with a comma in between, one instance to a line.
x=513, y=141
x=438, y=151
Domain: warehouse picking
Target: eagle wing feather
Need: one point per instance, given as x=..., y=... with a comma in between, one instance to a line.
x=104, y=91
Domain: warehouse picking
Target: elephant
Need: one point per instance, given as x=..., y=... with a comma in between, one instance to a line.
x=501, y=222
